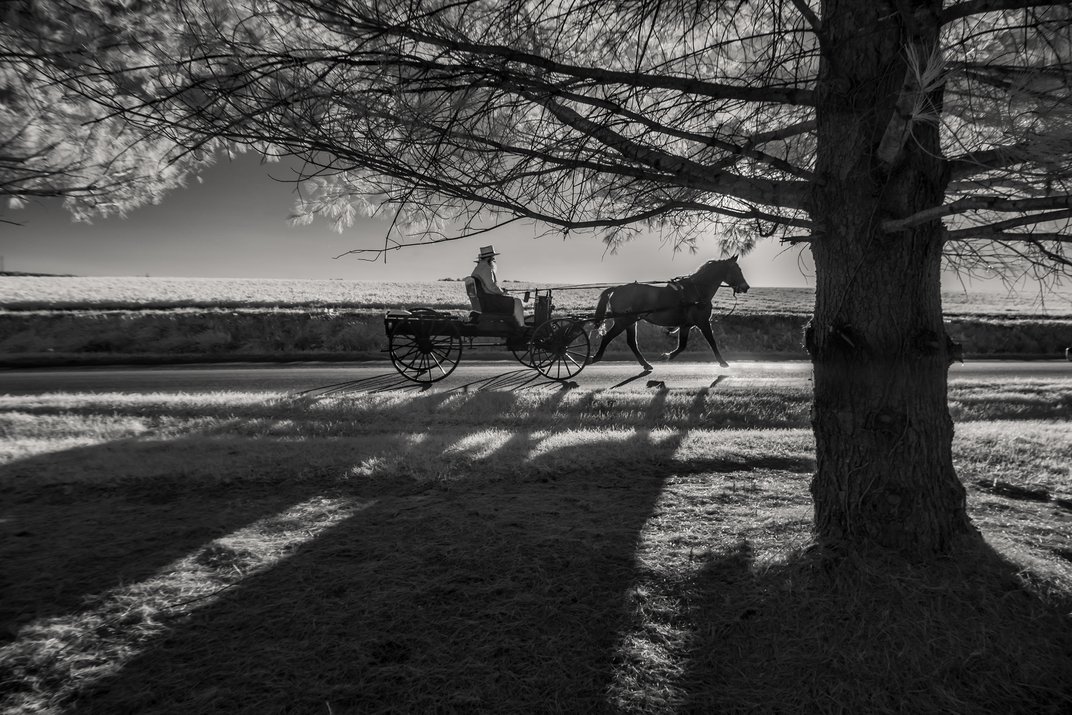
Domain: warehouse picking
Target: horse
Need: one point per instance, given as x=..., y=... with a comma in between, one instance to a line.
x=683, y=303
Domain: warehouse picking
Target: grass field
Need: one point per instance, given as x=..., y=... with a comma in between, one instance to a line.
x=549, y=550
x=139, y=293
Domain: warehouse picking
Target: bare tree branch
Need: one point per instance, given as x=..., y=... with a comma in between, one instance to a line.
x=785, y=194
x=780, y=133
x=967, y=165
x=647, y=80
x=979, y=203
x=1000, y=226
x=976, y=7
x=809, y=15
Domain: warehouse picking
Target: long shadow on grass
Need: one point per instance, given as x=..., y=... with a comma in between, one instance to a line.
x=504, y=596
x=67, y=541
x=822, y=634
x=500, y=592
x=393, y=382
x=490, y=580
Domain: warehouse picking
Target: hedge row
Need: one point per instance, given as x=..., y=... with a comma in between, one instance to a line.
x=227, y=335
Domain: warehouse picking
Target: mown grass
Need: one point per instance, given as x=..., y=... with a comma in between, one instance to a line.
x=541, y=549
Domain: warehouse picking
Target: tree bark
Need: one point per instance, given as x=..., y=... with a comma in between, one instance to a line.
x=883, y=433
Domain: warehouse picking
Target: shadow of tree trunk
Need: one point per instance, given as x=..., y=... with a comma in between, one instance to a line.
x=872, y=634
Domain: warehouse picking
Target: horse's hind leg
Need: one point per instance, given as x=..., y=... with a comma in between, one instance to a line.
x=630, y=338
x=615, y=330
x=705, y=328
x=682, y=341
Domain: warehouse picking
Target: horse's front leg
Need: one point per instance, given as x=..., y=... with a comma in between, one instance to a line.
x=630, y=338
x=615, y=330
x=705, y=328
x=682, y=341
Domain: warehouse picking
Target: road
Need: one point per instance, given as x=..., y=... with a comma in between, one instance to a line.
x=325, y=378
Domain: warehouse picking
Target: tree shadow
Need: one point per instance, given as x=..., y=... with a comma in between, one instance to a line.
x=823, y=632
x=69, y=540
x=470, y=581
x=490, y=594
x=118, y=512
x=505, y=581
x=80, y=521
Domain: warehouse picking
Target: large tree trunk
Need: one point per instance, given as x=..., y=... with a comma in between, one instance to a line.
x=882, y=427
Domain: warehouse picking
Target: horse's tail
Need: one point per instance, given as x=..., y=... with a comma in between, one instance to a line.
x=601, y=310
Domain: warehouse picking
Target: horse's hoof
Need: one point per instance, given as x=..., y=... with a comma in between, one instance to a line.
x=647, y=368
x=723, y=364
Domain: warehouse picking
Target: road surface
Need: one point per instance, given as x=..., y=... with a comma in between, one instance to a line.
x=488, y=375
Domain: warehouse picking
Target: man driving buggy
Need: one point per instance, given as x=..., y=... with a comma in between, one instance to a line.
x=496, y=299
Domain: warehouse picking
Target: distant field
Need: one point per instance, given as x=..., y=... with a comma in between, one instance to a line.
x=134, y=293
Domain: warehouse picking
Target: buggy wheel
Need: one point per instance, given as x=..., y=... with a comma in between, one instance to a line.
x=424, y=352
x=523, y=354
x=559, y=348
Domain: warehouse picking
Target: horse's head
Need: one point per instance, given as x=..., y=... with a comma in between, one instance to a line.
x=726, y=271
x=734, y=278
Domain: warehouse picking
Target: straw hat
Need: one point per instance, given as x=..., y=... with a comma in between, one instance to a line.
x=486, y=252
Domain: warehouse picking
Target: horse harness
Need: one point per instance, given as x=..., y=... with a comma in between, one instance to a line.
x=688, y=292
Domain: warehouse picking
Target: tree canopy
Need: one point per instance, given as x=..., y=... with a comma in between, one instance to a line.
x=55, y=142
x=670, y=115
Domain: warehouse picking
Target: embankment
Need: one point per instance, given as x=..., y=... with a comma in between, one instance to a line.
x=100, y=337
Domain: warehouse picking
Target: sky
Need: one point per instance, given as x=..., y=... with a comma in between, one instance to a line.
x=233, y=224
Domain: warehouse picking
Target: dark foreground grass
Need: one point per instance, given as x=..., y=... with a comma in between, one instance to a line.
x=626, y=551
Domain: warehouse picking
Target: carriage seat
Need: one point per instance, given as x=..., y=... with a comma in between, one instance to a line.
x=489, y=310
x=479, y=298
x=474, y=292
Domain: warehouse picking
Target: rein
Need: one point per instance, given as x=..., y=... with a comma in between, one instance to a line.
x=593, y=286
x=731, y=309
x=682, y=284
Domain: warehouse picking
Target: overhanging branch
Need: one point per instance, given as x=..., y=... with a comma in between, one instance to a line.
x=979, y=162
x=809, y=15
x=976, y=7
x=1000, y=226
x=647, y=80
x=979, y=203
x=784, y=194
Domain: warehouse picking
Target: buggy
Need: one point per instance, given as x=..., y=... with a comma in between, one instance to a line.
x=426, y=345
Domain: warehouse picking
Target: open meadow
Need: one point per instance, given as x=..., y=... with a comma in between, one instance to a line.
x=486, y=550
x=145, y=293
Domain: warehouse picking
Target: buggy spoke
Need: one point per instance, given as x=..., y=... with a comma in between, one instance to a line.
x=424, y=349
x=560, y=348
x=437, y=363
x=405, y=357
